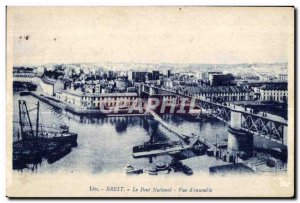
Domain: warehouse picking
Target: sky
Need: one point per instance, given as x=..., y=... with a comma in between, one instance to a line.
x=217, y=35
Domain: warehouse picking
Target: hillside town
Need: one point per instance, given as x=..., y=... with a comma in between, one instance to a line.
x=87, y=85
x=249, y=99
x=170, y=101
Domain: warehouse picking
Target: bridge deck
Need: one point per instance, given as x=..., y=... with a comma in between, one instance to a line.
x=229, y=106
x=161, y=151
x=260, y=114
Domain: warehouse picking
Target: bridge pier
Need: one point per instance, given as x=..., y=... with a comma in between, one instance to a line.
x=285, y=133
x=239, y=140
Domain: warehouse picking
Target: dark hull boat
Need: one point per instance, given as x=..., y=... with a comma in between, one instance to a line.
x=32, y=151
x=58, y=154
x=66, y=138
x=34, y=146
x=25, y=93
x=149, y=147
x=21, y=158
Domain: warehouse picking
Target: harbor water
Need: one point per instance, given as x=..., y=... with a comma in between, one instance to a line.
x=105, y=144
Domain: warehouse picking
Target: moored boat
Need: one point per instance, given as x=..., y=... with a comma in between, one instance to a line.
x=25, y=93
x=59, y=153
x=149, y=147
x=156, y=146
x=35, y=144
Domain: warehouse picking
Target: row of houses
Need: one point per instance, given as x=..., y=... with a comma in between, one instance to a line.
x=269, y=92
x=272, y=92
x=219, y=93
x=95, y=100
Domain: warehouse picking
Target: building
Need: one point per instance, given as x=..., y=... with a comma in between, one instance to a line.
x=283, y=77
x=111, y=75
x=167, y=73
x=121, y=83
x=245, y=78
x=51, y=86
x=131, y=89
x=221, y=80
x=169, y=83
x=70, y=96
x=265, y=77
x=137, y=76
x=130, y=75
x=149, y=76
x=94, y=101
x=274, y=92
x=219, y=93
x=92, y=86
x=155, y=75
x=107, y=89
x=24, y=77
x=154, y=82
x=206, y=75
x=40, y=69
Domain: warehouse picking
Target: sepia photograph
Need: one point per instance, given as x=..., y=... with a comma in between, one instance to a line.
x=150, y=102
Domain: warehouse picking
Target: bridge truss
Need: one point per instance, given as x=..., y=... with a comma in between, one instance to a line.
x=264, y=127
x=219, y=111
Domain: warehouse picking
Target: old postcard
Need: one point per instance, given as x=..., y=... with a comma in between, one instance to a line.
x=150, y=102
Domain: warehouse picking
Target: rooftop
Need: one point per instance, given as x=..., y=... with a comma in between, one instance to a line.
x=49, y=80
x=114, y=94
x=216, y=89
x=282, y=86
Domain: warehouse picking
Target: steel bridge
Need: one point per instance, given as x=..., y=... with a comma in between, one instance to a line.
x=265, y=125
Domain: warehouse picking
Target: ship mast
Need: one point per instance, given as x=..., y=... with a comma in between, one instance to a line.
x=37, y=119
x=24, y=121
x=20, y=119
x=29, y=121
